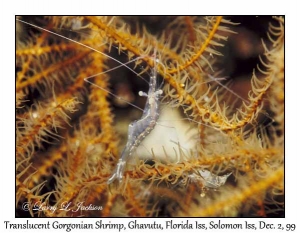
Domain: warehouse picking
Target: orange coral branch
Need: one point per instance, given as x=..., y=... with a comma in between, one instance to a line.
x=44, y=165
x=101, y=107
x=109, y=204
x=238, y=197
x=201, y=50
x=134, y=205
x=37, y=77
x=43, y=125
x=26, y=65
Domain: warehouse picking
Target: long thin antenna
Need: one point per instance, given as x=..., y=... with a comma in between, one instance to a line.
x=225, y=87
x=91, y=48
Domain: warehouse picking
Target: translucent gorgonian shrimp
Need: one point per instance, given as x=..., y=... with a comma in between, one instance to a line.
x=139, y=129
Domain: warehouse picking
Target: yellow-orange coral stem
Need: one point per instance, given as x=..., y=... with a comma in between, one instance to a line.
x=201, y=50
x=238, y=197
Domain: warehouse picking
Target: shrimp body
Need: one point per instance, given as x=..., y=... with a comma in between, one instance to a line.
x=139, y=129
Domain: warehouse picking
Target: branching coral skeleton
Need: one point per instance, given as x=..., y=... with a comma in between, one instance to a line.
x=79, y=149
